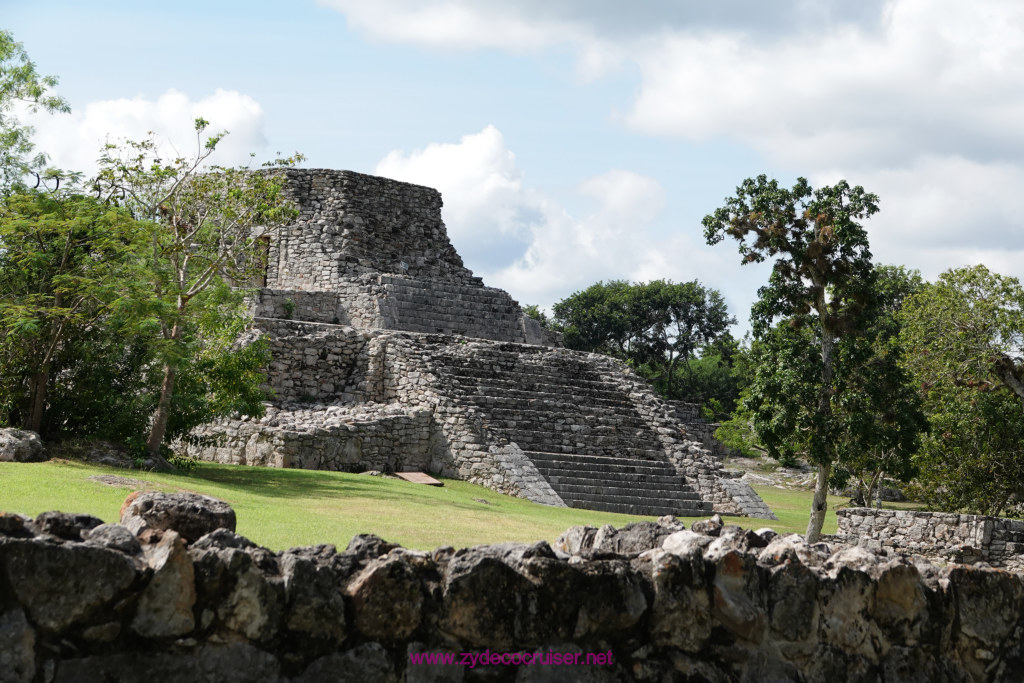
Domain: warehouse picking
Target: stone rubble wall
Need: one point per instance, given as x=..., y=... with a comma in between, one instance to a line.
x=316, y=362
x=697, y=428
x=320, y=437
x=146, y=599
x=952, y=536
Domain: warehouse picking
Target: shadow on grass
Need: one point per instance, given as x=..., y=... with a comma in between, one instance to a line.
x=306, y=484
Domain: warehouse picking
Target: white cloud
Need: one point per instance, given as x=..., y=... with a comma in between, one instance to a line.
x=518, y=238
x=944, y=212
x=920, y=101
x=74, y=141
x=939, y=77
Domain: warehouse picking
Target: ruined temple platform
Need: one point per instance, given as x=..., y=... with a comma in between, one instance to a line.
x=389, y=354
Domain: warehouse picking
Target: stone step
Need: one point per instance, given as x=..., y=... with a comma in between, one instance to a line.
x=628, y=458
x=610, y=489
x=618, y=484
x=480, y=366
x=584, y=461
x=640, y=509
x=539, y=435
x=574, y=478
x=622, y=499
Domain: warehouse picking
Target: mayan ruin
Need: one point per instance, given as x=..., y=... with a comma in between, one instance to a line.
x=389, y=354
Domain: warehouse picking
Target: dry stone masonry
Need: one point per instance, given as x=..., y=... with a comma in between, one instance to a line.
x=389, y=354
x=173, y=594
x=955, y=537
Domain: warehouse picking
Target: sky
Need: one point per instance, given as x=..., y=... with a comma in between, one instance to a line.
x=580, y=140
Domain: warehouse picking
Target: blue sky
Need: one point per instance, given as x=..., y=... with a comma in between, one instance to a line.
x=581, y=140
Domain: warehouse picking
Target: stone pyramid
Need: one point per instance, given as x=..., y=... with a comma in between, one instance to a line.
x=388, y=354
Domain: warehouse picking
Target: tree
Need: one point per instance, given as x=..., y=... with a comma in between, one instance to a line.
x=966, y=335
x=655, y=326
x=882, y=407
x=64, y=260
x=968, y=329
x=821, y=280
x=203, y=225
x=20, y=83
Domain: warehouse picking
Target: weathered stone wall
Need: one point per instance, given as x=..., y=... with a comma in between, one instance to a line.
x=350, y=224
x=327, y=437
x=316, y=362
x=697, y=428
x=955, y=537
x=153, y=600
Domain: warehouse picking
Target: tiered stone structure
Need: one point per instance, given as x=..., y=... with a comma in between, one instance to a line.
x=389, y=354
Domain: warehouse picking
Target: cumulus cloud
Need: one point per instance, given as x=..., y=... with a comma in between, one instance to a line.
x=943, y=212
x=532, y=24
x=74, y=141
x=518, y=238
x=938, y=78
x=918, y=100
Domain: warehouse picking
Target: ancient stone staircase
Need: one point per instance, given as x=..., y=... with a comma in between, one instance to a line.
x=580, y=428
x=619, y=484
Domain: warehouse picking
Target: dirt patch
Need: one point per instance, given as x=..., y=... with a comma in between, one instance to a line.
x=122, y=482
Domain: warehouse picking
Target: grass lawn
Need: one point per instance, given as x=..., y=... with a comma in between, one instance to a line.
x=285, y=508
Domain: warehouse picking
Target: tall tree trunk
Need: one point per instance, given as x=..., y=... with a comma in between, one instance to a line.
x=819, y=505
x=160, y=417
x=37, y=398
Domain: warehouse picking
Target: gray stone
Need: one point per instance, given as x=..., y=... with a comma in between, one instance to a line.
x=387, y=599
x=20, y=445
x=367, y=663
x=61, y=585
x=17, y=648
x=115, y=537
x=190, y=514
x=64, y=525
x=232, y=663
x=165, y=607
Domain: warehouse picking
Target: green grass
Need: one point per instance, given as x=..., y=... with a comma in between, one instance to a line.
x=285, y=508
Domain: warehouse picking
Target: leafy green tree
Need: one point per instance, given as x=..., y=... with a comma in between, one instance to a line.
x=656, y=326
x=821, y=280
x=63, y=264
x=965, y=334
x=203, y=224
x=715, y=377
x=21, y=84
x=972, y=458
x=968, y=329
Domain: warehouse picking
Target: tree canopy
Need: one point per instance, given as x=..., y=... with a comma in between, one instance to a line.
x=21, y=84
x=203, y=226
x=967, y=332
x=655, y=326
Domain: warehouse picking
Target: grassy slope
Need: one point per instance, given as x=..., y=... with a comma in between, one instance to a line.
x=285, y=508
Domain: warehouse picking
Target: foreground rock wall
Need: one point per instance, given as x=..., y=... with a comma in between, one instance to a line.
x=173, y=596
x=960, y=538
